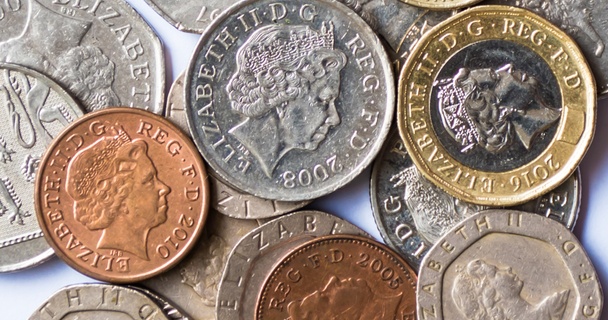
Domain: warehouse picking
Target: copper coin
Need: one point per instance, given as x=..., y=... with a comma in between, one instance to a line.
x=121, y=195
x=339, y=277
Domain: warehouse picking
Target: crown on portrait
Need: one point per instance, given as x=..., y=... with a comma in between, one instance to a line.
x=261, y=57
x=451, y=103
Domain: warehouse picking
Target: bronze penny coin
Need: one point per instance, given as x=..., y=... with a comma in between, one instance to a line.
x=121, y=195
x=339, y=277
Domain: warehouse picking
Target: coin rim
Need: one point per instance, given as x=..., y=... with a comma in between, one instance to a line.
x=441, y=5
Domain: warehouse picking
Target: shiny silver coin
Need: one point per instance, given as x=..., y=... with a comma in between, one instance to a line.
x=37, y=109
x=289, y=101
x=254, y=256
x=96, y=301
x=169, y=309
x=584, y=21
x=102, y=52
x=189, y=15
x=503, y=264
x=225, y=199
x=411, y=213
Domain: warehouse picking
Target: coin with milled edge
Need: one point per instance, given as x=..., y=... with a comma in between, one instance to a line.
x=411, y=213
x=253, y=257
x=442, y=5
x=96, y=301
x=121, y=195
x=102, y=52
x=504, y=264
x=339, y=277
x=289, y=101
x=496, y=106
x=37, y=109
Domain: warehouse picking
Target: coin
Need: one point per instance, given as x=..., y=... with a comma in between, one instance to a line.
x=193, y=283
x=339, y=277
x=441, y=5
x=532, y=266
x=298, y=125
x=175, y=104
x=102, y=52
x=411, y=213
x=253, y=256
x=189, y=15
x=122, y=195
x=98, y=301
x=474, y=116
x=36, y=110
x=584, y=21
x=168, y=309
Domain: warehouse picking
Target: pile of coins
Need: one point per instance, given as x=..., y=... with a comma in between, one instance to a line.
x=476, y=119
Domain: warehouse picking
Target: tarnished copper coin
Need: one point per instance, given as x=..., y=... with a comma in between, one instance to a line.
x=121, y=195
x=339, y=277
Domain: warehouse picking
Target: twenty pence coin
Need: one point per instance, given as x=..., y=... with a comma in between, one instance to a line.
x=339, y=277
x=493, y=115
x=121, y=195
x=253, y=257
x=289, y=101
x=534, y=267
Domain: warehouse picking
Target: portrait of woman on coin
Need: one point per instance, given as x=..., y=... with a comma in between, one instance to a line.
x=115, y=189
x=483, y=291
x=492, y=108
x=285, y=87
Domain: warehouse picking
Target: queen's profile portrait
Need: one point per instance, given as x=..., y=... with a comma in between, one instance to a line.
x=115, y=188
x=492, y=108
x=483, y=291
x=285, y=86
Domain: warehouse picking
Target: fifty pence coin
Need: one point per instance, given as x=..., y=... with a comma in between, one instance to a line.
x=411, y=213
x=95, y=301
x=289, y=101
x=122, y=195
x=585, y=21
x=502, y=264
x=225, y=199
x=36, y=110
x=339, y=277
x=251, y=260
x=496, y=106
x=102, y=52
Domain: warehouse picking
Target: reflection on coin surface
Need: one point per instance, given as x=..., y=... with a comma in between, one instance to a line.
x=441, y=5
x=257, y=252
x=36, y=110
x=289, y=101
x=339, y=277
x=102, y=52
x=502, y=264
x=95, y=301
x=493, y=114
x=121, y=195
x=411, y=213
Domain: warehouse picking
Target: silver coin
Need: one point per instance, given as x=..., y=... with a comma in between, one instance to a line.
x=190, y=15
x=256, y=253
x=225, y=199
x=585, y=21
x=193, y=283
x=95, y=301
x=102, y=52
x=411, y=213
x=36, y=110
x=289, y=101
x=168, y=309
x=502, y=264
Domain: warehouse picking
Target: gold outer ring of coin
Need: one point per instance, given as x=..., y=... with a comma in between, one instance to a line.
x=441, y=5
x=575, y=127
x=121, y=195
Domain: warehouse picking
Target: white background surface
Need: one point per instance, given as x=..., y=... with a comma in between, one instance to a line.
x=23, y=292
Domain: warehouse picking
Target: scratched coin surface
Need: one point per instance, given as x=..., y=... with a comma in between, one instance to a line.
x=503, y=264
x=496, y=106
x=289, y=101
x=102, y=52
x=411, y=213
x=253, y=257
x=95, y=301
x=224, y=198
x=121, y=195
x=36, y=110
x=339, y=277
